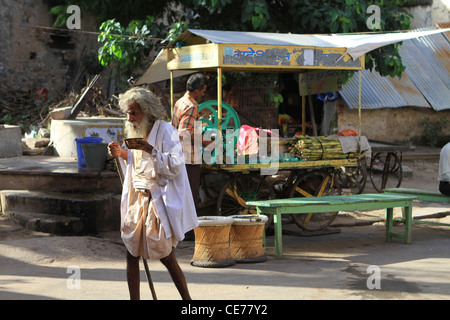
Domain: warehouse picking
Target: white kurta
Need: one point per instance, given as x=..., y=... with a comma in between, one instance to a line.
x=167, y=181
x=444, y=164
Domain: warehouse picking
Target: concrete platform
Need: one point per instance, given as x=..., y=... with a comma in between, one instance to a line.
x=421, y=153
x=51, y=173
x=52, y=194
x=62, y=213
x=64, y=132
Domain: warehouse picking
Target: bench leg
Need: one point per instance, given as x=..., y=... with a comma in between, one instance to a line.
x=278, y=235
x=407, y=220
x=407, y=216
x=258, y=211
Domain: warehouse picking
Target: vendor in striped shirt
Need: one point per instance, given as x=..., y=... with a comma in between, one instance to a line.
x=185, y=114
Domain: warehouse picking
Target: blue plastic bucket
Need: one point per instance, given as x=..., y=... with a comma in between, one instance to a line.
x=80, y=141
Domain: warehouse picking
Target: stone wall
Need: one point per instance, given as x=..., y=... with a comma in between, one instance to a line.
x=426, y=15
x=389, y=124
x=33, y=55
x=399, y=124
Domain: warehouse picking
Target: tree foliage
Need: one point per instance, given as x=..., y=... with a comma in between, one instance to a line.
x=123, y=11
x=125, y=46
x=294, y=16
x=308, y=17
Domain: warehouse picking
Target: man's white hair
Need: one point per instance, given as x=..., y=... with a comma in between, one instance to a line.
x=150, y=104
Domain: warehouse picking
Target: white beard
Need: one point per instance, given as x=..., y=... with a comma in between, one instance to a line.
x=137, y=130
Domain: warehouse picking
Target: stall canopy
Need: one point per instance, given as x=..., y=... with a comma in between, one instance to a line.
x=346, y=46
x=356, y=44
x=158, y=70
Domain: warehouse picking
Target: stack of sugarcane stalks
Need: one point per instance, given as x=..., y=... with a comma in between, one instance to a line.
x=318, y=148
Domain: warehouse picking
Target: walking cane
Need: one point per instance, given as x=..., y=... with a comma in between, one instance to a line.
x=147, y=270
x=149, y=279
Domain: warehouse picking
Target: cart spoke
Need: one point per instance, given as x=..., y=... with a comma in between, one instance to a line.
x=303, y=192
x=240, y=189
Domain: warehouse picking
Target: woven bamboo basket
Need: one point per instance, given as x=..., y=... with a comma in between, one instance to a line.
x=212, y=242
x=246, y=243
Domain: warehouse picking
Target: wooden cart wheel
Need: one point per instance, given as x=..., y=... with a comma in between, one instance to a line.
x=281, y=188
x=242, y=188
x=314, y=184
x=385, y=171
x=353, y=178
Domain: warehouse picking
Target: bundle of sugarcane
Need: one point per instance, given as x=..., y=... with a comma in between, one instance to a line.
x=317, y=148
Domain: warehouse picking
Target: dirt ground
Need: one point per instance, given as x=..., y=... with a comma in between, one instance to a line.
x=418, y=174
x=40, y=266
x=425, y=172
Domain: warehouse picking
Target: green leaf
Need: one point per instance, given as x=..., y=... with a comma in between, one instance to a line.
x=334, y=16
x=255, y=22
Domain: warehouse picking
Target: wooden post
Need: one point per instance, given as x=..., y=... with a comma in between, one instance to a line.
x=359, y=111
x=303, y=115
x=312, y=116
x=219, y=141
x=219, y=99
x=171, y=94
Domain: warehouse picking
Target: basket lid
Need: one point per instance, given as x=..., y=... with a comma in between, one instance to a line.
x=250, y=219
x=214, y=221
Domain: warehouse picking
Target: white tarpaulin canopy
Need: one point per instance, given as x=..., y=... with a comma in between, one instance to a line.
x=158, y=70
x=356, y=45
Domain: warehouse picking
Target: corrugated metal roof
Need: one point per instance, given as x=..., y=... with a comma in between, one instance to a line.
x=382, y=92
x=425, y=82
x=439, y=58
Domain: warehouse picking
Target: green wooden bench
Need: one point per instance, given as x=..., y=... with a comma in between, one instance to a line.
x=424, y=195
x=278, y=207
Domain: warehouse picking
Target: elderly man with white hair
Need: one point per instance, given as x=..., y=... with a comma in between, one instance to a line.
x=157, y=208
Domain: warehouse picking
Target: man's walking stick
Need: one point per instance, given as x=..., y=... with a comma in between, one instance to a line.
x=149, y=279
x=147, y=270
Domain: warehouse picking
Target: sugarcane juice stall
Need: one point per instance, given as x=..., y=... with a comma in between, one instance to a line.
x=311, y=161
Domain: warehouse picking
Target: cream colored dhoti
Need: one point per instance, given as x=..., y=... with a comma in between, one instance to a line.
x=142, y=231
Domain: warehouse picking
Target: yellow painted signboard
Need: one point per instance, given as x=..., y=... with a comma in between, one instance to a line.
x=286, y=57
x=193, y=57
x=241, y=57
